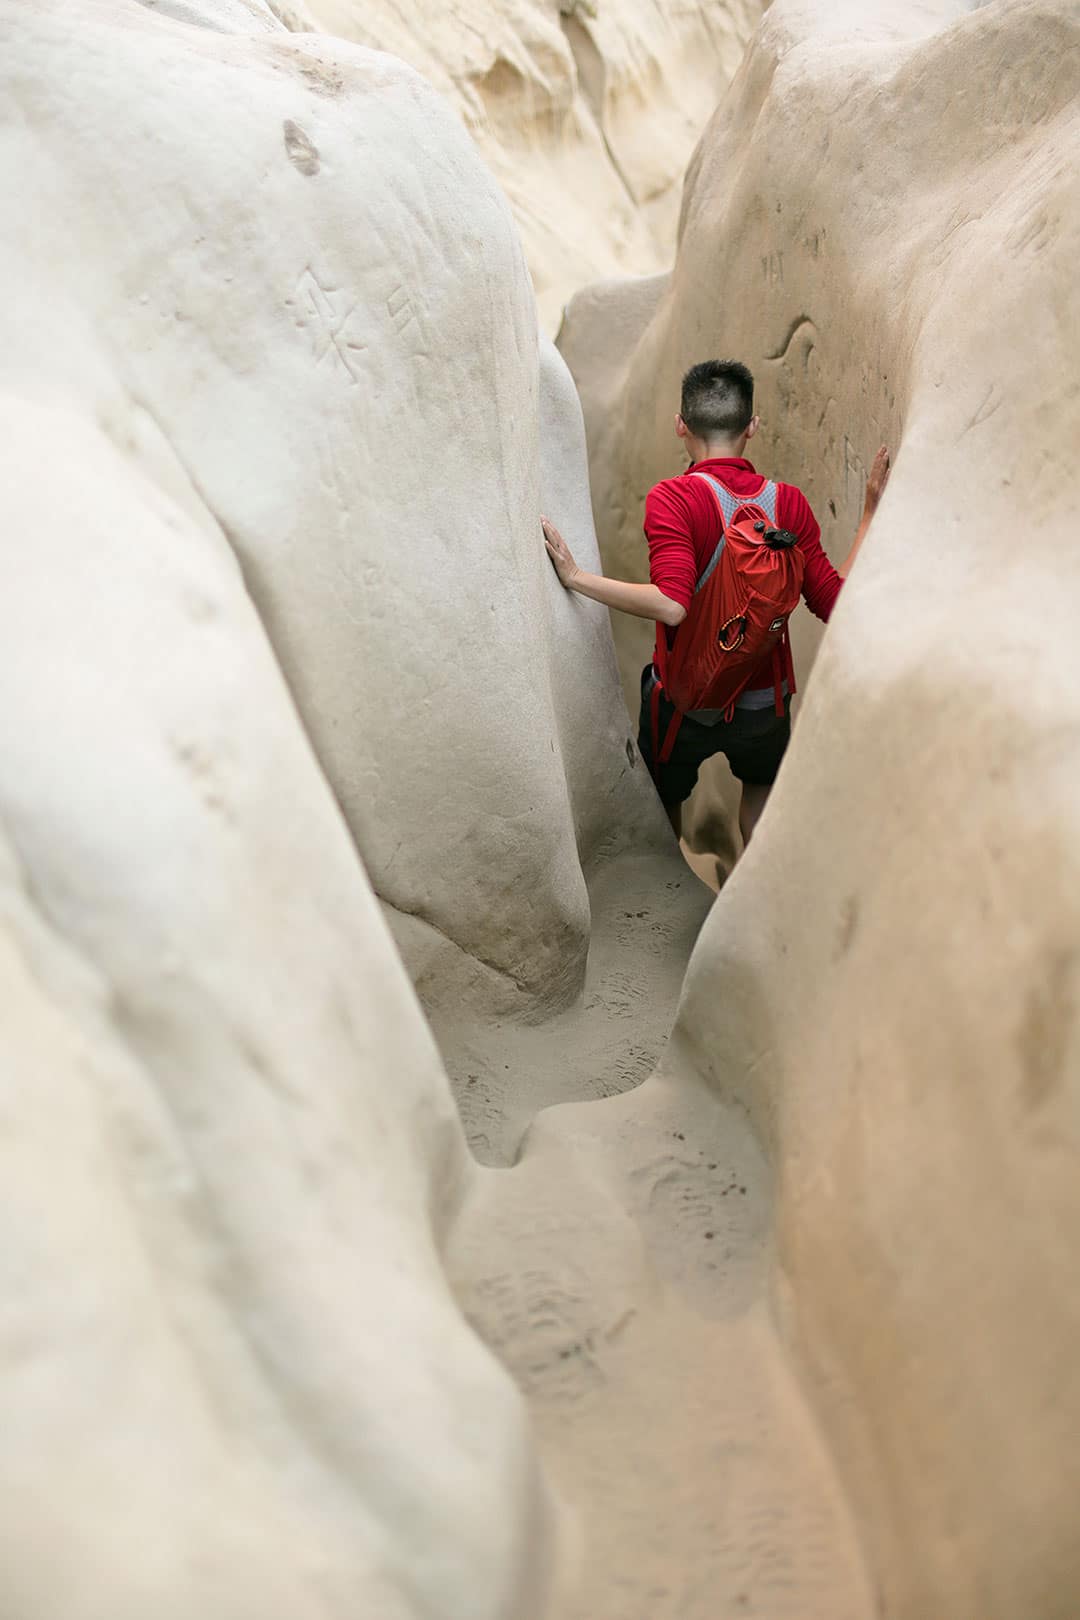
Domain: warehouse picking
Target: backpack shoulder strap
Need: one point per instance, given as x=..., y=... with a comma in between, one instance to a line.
x=725, y=499
x=729, y=504
x=766, y=500
x=727, y=512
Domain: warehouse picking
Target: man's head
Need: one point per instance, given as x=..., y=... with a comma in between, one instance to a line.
x=717, y=413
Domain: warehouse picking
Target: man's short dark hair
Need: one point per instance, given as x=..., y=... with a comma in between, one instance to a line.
x=717, y=399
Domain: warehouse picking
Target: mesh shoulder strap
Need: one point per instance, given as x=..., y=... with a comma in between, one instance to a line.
x=729, y=505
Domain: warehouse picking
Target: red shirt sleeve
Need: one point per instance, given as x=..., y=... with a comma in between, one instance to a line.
x=672, y=561
x=821, y=582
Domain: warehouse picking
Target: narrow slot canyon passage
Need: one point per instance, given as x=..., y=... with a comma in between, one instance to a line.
x=660, y=1362
x=433, y=1193
x=621, y=1267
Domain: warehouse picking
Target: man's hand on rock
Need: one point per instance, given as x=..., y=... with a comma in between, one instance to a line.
x=878, y=478
x=875, y=489
x=643, y=601
x=559, y=552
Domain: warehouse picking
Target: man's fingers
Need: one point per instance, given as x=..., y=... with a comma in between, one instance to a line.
x=879, y=473
x=558, y=551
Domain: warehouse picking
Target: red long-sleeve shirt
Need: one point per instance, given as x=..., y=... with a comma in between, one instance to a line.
x=683, y=525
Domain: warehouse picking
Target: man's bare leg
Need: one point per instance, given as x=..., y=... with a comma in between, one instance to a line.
x=751, y=805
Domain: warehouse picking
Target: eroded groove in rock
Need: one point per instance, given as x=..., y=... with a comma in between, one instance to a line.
x=592, y=79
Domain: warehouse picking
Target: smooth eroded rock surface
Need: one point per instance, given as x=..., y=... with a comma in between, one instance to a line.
x=355, y=399
x=230, y=1145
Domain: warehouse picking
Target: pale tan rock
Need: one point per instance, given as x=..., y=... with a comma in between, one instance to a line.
x=883, y=222
x=227, y=1131
x=234, y=16
x=362, y=421
x=259, y=1163
x=586, y=111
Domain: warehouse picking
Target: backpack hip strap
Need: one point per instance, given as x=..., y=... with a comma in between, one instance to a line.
x=661, y=751
x=654, y=719
x=669, y=738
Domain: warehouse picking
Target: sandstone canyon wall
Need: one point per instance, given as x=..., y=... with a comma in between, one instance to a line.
x=883, y=221
x=233, y=1154
x=418, y=366
x=229, y=1154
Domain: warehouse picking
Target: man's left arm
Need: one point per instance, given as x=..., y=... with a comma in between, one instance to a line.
x=875, y=488
x=821, y=581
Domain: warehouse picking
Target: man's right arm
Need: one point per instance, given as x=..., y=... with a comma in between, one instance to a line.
x=672, y=568
x=672, y=559
x=643, y=601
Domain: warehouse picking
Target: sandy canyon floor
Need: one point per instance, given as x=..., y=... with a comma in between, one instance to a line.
x=631, y=1294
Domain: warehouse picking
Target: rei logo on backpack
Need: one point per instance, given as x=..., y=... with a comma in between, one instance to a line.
x=739, y=612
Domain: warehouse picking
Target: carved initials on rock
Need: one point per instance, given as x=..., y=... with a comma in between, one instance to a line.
x=325, y=313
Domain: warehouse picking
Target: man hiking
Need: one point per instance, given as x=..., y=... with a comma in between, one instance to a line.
x=721, y=496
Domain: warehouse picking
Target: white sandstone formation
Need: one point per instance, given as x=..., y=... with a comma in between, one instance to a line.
x=277, y=430
x=232, y=1151
x=883, y=221
x=355, y=400
x=236, y=1381
x=586, y=111
x=236, y=16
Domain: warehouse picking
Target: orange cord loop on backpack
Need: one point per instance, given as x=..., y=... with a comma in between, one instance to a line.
x=722, y=633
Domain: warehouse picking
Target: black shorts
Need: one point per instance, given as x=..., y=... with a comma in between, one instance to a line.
x=753, y=741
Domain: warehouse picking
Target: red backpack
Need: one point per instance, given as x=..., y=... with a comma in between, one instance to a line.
x=738, y=615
